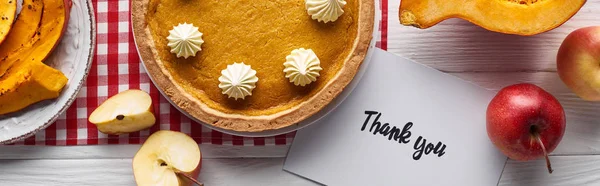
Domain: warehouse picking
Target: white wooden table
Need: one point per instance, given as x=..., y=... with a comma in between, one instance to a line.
x=457, y=47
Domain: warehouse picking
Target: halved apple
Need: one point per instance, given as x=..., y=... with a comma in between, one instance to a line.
x=128, y=111
x=167, y=158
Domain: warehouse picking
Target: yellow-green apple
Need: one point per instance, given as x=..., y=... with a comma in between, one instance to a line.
x=167, y=158
x=525, y=122
x=578, y=62
x=128, y=111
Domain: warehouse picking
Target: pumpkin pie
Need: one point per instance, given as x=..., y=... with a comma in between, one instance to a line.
x=259, y=34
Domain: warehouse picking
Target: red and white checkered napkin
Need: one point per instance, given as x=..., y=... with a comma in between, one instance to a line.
x=117, y=67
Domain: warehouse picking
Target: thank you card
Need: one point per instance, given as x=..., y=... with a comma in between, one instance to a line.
x=404, y=124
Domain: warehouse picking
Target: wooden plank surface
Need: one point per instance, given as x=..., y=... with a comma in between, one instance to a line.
x=111, y=165
x=568, y=171
x=48, y=172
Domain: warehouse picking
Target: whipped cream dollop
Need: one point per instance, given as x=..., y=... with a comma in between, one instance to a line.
x=185, y=40
x=325, y=10
x=238, y=80
x=302, y=67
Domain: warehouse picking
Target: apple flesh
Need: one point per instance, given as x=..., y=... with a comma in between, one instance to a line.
x=167, y=158
x=525, y=122
x=128, y=111
x=578, y=62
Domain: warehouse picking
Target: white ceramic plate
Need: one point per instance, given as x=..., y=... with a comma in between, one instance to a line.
x=317, y=116
x=73, y=56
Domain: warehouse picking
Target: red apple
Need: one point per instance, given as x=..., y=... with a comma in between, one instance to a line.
x=578, y=62
x=525, y=122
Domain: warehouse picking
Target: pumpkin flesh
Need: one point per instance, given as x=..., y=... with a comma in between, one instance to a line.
x=521, y=17
x=8, y=11
x=31, y=83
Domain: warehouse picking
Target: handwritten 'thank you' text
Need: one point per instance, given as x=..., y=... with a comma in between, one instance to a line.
x=402, y=136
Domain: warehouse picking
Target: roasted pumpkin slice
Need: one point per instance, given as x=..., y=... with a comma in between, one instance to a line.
x=28, y=84
x=8, y=11
x=53, y=25
x=24, y=28
x=521, y=17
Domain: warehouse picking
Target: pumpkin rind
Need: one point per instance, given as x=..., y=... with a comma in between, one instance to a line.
x=521, y=17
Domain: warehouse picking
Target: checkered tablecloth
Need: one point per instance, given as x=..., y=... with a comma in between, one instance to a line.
x=117, y=67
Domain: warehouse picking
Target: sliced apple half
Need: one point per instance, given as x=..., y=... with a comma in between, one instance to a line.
x=128, y=111
x=167, y=158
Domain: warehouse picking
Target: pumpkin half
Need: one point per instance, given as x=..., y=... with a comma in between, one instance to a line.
x=520, y=17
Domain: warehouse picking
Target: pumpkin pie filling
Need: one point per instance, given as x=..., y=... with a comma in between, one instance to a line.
x=259, y=33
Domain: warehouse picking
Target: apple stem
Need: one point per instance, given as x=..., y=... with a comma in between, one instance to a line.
x=189, y=177
x=539, y=140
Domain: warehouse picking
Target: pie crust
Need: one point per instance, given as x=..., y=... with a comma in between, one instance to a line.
x=250, y=123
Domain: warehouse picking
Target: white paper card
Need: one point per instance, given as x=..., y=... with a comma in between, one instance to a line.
x=429, y=130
